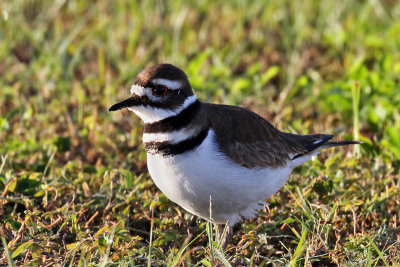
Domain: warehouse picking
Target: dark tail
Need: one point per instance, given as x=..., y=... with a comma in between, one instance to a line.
x=340, y=143
x=323, y=143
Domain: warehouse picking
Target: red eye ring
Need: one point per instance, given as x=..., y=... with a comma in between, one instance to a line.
x=160, y=90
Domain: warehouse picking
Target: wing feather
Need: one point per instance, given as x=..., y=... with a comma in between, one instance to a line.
x=253, y=142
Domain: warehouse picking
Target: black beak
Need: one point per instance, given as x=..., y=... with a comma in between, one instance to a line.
x=124, y=104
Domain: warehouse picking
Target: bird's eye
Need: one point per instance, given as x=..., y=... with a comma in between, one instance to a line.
x=160, y=90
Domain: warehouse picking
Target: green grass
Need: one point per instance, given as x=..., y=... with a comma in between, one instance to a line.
x=74, y=188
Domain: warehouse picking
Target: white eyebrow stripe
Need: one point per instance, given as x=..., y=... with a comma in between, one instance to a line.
x=139, y=90
x=172, y=85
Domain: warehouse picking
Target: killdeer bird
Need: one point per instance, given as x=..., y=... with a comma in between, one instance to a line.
x=197, y=152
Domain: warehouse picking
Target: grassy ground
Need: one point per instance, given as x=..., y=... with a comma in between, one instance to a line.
x=73, y=180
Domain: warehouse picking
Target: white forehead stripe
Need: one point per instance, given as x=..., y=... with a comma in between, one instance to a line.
x=138, y=90
x=172, y=85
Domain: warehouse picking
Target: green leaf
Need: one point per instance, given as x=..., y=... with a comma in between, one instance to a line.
x=129, y=179
x=22, y=248
x=4, y=125
x=289, y=220
x=12, y=186
x=72, y=246
x=63, y=144
x=101, y=231
x=27, y=186
x=14, y=224
x=269, y=74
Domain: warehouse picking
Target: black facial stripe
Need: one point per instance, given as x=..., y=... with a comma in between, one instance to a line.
x=168, y=149
x=146, y=102
x=175, y=122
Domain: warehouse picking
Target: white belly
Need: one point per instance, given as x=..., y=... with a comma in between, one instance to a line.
x=193, y=178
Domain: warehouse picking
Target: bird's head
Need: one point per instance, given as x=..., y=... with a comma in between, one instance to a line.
x=159, y=92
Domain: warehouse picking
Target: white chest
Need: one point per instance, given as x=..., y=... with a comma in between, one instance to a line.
x=192, y=178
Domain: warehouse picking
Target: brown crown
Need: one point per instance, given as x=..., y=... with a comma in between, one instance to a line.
x=164, y=71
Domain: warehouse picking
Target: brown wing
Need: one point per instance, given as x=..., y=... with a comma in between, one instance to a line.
x=251, y=141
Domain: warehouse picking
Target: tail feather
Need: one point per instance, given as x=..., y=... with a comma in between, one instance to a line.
x=340, y=143
x=318, y=143
x=323, y=143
